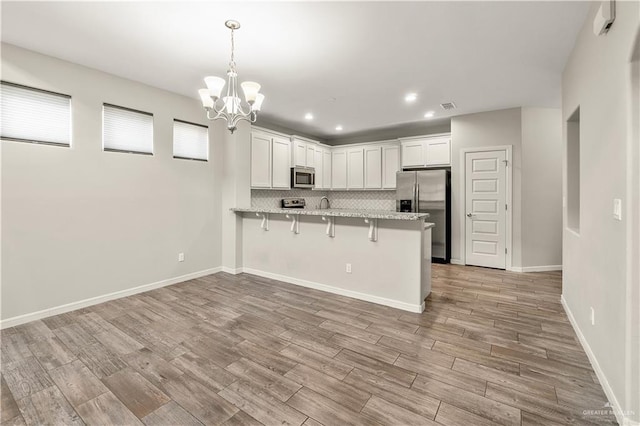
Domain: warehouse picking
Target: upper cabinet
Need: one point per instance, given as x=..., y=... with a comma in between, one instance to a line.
x=390, y=165
x=355, y=168
x=326, y=168
x=280, y=170
x=373, y=167
x=303, y=152
x=426, y=151
x=298, y=153
x=339, y=168
x=270, y=156
x=260, y=160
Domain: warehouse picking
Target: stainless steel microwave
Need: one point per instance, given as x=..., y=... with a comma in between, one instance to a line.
x=303, y=177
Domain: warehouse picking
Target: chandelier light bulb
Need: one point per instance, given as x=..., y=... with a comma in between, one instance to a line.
x=207, y=102
x=258, y=103
x=250, y=89
x=215, y=85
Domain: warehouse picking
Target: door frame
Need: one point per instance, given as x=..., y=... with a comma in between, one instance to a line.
x=463, y=202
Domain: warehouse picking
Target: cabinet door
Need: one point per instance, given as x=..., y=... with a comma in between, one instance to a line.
x=326, y=169
x=355, y=168
x=412, y=153
x=317, y=163
x=311, y=153
x=339, y=169
x=390, y=166
x=438, y=152
x=260, y=161
x=281, y=154
x=373, y=167
x=299, y=153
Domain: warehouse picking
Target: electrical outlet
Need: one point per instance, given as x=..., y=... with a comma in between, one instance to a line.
x=593, y=316
x=348, y=268
x=180, y=257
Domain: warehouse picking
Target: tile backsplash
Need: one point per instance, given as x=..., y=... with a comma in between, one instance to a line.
x=363, y=200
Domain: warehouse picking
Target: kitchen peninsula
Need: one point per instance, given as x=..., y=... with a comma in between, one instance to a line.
x=378, y=256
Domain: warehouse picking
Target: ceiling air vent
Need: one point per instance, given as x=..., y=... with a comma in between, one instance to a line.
x=448, y=106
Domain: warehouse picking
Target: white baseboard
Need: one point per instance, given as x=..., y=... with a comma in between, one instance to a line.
x=542, y=268
x=232, y=271
x=33, y=316
x=620, y=417
x=337, y=290
x=456, y=262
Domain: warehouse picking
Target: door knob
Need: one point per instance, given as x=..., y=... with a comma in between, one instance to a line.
x=469, y=215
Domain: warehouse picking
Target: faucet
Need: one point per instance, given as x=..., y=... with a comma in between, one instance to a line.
x=321, y=200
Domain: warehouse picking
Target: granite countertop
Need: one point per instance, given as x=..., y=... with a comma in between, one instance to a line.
x=366, y=214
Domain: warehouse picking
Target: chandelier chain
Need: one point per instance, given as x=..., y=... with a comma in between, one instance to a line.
x=233, y=47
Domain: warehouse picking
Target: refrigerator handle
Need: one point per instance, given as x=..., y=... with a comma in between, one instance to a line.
x=416, y=189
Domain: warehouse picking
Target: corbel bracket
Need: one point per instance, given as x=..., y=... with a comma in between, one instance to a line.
x=373, y=229
x=331, y=226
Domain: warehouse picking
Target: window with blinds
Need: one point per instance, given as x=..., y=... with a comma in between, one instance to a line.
x=34, y=115
x=127, y=130
x=190, y=141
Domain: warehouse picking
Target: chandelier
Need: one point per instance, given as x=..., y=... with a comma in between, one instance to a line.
x=230, y=107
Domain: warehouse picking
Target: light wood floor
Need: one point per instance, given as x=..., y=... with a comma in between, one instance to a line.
x=491, y=348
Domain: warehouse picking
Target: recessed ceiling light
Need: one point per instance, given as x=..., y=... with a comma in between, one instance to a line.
x=308, y=116
x=429, y=114
x=338, y=127
x=410, y=97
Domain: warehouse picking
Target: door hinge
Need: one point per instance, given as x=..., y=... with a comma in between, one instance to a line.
x=506, y=206
x=506, y=162
x=505, y=250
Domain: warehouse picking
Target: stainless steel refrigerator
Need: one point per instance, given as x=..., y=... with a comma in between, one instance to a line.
x=429, y=191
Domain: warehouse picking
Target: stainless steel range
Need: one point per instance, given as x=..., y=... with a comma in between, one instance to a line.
x=293, y=203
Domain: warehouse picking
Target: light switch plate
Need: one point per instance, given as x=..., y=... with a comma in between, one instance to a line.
x=617, y=208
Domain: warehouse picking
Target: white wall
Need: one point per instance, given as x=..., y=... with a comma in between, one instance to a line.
x=486, y=129
x=535, y=135
x=541, y=187
x=78, y=222
x=596, y=270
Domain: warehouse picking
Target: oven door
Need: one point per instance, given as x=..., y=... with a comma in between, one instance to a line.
x=302, y=177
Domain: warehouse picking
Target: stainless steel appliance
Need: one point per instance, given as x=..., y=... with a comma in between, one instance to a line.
x=293, y=203
x=429, y=191
x=303, y=177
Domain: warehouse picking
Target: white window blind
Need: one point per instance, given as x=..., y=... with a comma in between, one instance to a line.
x=190, y=141
x=34, y=115
x=127, y=130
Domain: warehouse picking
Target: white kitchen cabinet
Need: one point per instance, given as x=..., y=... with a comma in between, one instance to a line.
x=299, y=153
x=355, y=168
x=326, y=168
x=260, y=160
x=339, y=169
x=413, y=153
x=390, y=165
x=317, y=164
x=426, y=151
x=438, y=152
x=270, y=160
x=372, y=167
x=280, y=170
x=311, y=149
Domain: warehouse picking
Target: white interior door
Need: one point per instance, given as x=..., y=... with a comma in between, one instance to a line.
x=485, y=203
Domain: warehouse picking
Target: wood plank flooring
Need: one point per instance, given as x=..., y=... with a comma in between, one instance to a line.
x=492, y=347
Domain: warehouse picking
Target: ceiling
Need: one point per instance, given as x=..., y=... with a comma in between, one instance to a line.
x=347, y=63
